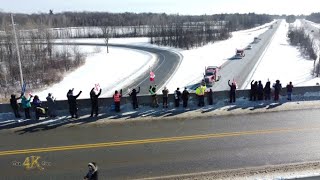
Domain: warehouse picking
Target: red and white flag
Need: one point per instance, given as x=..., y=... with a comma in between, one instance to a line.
x=152, y=76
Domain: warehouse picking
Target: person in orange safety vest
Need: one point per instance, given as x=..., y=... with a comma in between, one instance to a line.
x=116, y=99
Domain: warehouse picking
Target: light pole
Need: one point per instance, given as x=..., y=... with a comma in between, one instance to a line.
x=18, y=52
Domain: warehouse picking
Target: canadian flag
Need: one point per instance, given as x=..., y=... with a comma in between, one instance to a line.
x=152, y=76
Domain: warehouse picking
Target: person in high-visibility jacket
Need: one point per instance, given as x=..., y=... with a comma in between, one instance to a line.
x=116, y=99
x=200, y=91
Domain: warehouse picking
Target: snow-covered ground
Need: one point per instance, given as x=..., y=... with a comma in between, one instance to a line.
x=105, y=69
x=284, y=62
x=110, y=70
x=280, y=61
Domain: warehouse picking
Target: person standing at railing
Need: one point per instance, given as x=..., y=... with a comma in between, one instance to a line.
x=94, y=97
x=117, y=98
x=72, y=100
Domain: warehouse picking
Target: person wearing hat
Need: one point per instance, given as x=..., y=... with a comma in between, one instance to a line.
x=93, y=172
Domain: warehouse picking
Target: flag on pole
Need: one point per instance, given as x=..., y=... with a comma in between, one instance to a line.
x=152, y=76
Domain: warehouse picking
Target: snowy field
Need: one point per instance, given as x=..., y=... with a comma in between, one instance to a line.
x=110, y=70
x=282, y=61
x=194, y=60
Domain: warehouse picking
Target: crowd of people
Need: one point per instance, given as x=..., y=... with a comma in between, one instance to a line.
x=257, y=92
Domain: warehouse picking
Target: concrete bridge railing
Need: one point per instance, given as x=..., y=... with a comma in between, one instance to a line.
x=146, y=100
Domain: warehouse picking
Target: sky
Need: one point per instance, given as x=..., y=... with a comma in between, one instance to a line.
x=184, y=7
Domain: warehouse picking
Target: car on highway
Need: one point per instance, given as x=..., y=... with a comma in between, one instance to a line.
x=239, y=54
x=249, y=47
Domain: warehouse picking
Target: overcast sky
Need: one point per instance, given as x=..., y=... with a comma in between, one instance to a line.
x=192, y=7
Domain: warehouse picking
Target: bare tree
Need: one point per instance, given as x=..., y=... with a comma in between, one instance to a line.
x=106, y=34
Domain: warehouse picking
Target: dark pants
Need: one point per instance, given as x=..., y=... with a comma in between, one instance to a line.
x=232, y=97
x=185, y=103
x=276, y=96
x=27, y=113
x=165, y=102
x=94, y=108
x=74, y=111
x=16, y=112
x=177, y=102
x=201, y=101
x=210, y=100
x=253, y=96
x=135, y=103
x=267, y=96
x=117, y=106
x=154, y=101
x=260, y=96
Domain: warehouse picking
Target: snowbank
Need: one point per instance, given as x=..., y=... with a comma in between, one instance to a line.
x=282, y=61
x=111, y=70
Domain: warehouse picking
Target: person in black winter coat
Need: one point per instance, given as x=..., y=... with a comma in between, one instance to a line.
x=277, y=89
x=72, y=101
x=253, y=91
x=233, y=88
x=134, y=98
x=94, y=102
x=185, y=97
x=15, y=106
x=92, y=173
x=177, y=96
x=210, y=97
x=267, y=91
x=260, y=91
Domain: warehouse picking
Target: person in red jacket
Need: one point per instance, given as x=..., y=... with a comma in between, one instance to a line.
x=116, y=99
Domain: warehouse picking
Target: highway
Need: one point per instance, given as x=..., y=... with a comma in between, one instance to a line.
x=143, y=149
x=166, y=64
x=240, y=69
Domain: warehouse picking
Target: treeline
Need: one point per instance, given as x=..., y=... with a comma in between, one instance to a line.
x=80, y=19
x=183, y=31
x=187, y=36
x=42, y=63
x=191, y=34
x=314, y=17
x=298, y=37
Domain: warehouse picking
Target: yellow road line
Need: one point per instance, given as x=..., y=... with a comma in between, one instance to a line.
x=154, y=140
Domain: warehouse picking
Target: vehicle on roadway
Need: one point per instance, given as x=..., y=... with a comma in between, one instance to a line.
x=249, y=47
x=211, y=75
x=256, y=40
x=239, y=54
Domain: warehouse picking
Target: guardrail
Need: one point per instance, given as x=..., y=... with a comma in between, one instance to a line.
x=146, y=100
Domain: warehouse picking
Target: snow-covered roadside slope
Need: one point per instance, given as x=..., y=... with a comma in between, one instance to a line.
x=111, y=70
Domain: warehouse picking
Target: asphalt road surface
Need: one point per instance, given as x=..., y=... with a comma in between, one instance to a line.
x=240, y=69
x=144, y=149
x=165, y=66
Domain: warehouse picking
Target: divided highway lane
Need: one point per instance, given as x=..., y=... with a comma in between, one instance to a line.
x=159, y=148
x=164, y=68
x=240, y=69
